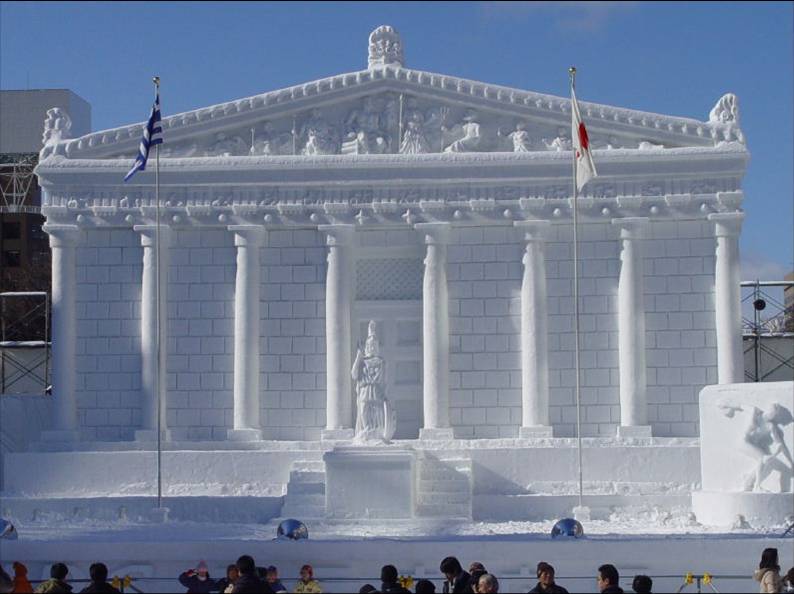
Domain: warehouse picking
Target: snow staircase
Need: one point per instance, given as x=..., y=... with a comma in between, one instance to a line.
x=444, y=487
x=305, y=496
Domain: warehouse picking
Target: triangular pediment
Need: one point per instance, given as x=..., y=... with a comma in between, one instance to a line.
x=391, y=109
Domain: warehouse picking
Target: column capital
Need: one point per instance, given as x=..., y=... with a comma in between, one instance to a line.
x=63, y=235
x=727, y=224
x=632, y=227
x=435, y=233
x=338, y=234
x=534, y=230
x=149, y=234
x=245, y=235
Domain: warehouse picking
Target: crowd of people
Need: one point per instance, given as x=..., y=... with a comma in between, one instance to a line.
x=245, y=577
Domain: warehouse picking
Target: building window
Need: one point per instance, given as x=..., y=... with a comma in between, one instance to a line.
x=12, y=230
x=12, y=258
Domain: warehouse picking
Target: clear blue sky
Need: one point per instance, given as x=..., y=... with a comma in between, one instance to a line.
x=671, y=58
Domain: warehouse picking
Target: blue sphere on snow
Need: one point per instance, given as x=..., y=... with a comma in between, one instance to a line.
x=567, y=528
x=292, y=529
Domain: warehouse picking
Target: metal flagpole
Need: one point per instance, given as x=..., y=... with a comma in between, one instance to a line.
x=158, y=314
x=572, y=72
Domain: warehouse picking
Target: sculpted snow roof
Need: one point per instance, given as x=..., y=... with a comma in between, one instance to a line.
x=390, y=109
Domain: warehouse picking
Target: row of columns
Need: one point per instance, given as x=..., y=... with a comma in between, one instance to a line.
x=248, y=240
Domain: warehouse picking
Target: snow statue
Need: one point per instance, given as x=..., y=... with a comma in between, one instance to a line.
x=726, y=113
x=385, y=47
x=764, y=443
x=319, y=135
x=470, y=131
x=519, y=137
x=561, y=143
x=364, y=131
x=56, y=128
x=414, y=140
x=375, y=417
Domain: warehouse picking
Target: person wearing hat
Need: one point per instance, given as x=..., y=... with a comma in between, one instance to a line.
x=198, y=581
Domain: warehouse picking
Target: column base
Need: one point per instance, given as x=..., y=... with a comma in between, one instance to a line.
x=150, y=435
x=536, y=432
x=634, y=432
x=60, y=435
x=244, y=435
x=337, y=434
x=444, y=433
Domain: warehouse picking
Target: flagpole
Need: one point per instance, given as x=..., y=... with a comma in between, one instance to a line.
x=572, y=73
x=158, y=309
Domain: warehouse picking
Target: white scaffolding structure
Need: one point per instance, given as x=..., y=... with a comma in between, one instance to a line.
x=16, y=178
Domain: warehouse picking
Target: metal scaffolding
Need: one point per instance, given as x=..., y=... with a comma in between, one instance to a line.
x=24, y=364
x=16, y=178
x=768, y=332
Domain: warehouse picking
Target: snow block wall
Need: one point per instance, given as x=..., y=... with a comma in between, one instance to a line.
x=484, y=273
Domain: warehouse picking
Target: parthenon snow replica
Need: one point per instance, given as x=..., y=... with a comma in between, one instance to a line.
x=440, y=208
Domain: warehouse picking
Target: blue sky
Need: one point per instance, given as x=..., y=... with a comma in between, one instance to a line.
x=671, y=58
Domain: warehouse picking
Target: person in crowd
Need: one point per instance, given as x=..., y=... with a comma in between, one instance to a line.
x=488, y=584
x=768, y=572
x=642, y=584
x=389, y=583
x=226, y=585
x=57, y=582
x=198, y=581
x=788, y=581
x=275, y=584
x=21, y=581
x=607, y=580
x=99, y=581
x=6, y=583
x=458, y=581
x=474, y=580
x=476, y=566
x=546, y=585
x=367, y=589
x=425, y=587
x=248, y=581
x=307, y=584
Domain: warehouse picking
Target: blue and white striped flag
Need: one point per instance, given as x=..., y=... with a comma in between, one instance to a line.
x=152, y=134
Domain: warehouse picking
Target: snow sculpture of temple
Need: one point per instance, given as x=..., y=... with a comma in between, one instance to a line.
x=438, y=207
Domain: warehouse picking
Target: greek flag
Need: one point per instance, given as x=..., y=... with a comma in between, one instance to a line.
x=152, y=134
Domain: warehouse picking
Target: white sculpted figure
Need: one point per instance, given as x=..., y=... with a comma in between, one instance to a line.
x=226, y=146
x=365, y=135
x=318, y=134
x=726, y=112
x=561, y=143
x=519, y=137
x=56, y=128
x=764, y=442
x=471, y=134
x=375, y=419
x=414, y=140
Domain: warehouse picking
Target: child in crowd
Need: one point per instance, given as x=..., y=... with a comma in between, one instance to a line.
x=307, y=584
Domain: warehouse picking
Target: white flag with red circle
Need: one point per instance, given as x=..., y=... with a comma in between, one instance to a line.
x=585, y=168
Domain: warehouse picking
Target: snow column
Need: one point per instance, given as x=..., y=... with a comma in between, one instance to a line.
x=63, y=243
x=338, y=304
x=534, y=334
x=435, y=332
x=727, y=304
x=150, y=386
x=248, y=239
x=631, y=330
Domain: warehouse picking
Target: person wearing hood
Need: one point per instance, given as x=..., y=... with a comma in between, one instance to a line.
x=768, y=573
x=57, y=582
x=99, y=581
x=21, y=581
x=198, y=581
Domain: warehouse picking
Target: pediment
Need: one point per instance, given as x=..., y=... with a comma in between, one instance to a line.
x=390, y=109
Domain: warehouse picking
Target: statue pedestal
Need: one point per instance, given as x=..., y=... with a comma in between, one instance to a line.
x=372, y=482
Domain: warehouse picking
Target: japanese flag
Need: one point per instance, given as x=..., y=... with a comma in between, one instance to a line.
x=585, y=168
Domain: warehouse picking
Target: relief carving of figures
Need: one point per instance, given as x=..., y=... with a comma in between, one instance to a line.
x=365, y=134
x=320, y=137
x=764, y=442
x=519, y=137
x=56, y=128
x=561, y=143
x=726, y=112
x=414, y=140
x=468, y=133
x=226, y=146
x=375, y=418
x=268, y=142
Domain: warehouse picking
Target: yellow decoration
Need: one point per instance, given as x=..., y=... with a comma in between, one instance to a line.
x=118, y=582
x=707, y=578
x=406, y=581
x=115, y=582
x=689, y=578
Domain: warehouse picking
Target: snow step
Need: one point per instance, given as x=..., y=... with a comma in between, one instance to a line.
x=306, y=476
x=444, y=498
x=309, y=465
x=453, y=510
x=444, y=486
x=305, y=489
